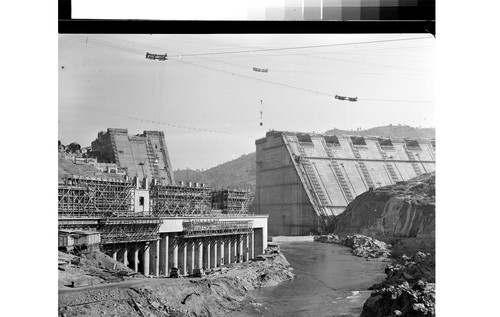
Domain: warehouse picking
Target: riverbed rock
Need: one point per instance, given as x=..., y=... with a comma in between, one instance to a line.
x=367, y=247
x=329, y=238
x=361, y=245
x=408, y=288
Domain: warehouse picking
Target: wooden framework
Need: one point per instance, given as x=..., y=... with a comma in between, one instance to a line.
x=93, y=197
x=170, y=200
x=192, y=229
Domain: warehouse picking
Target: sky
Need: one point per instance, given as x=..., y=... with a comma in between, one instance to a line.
x=207, y=99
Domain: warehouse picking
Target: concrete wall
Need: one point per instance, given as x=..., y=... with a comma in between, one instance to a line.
x=297, y=182
x=136, y=196
x=280, y=191
x=158, y=257
x=130, y=151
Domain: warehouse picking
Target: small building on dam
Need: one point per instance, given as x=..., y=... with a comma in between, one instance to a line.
x=305, y=179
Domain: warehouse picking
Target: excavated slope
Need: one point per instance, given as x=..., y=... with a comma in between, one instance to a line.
x=405, y=210
x=68, y=167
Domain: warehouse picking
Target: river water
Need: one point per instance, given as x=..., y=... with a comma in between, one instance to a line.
x=329, y=281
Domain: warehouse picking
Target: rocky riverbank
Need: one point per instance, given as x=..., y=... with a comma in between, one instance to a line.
x=211, y=295
x=362, y=246
x=408, y=290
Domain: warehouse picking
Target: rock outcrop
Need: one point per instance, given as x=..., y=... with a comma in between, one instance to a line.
x=403, y=210
x=403, y=215
x=408, y=290
x=362, y=246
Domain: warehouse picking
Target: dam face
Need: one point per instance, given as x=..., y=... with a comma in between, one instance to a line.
x=304, y=179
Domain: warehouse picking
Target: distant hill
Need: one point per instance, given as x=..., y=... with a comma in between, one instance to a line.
x=238, y=173
x=391, y=131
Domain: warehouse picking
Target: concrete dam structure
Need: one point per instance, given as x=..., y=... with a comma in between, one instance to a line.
x=305, y=179
x=143, y=155
x=146, y=221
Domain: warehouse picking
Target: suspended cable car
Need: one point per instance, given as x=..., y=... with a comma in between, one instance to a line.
x=262, y=70
x=353, y=99
x=156, y=56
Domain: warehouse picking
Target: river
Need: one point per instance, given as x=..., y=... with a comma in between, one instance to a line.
x=329, y=281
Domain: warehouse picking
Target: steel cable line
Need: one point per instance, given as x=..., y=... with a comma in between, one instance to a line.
x=299, y=47
x=104, y=44
x=310, y=54
x=141, y=119
x=258, y=50
x=295, y=87
x=274, y=70
x=162, y=123
x=273, y=82
x=253, y=78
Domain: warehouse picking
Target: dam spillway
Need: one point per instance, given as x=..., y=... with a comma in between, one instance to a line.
x=304, y=179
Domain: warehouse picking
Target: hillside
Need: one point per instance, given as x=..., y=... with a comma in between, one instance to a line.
x=391, y=131
x=68, y=167
x=239, y=173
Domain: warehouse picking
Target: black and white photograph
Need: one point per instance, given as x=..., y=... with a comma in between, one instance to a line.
x=249, y=158
x=246, y=174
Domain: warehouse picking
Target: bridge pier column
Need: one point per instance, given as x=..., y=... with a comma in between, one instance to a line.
x=221, y=252
x=174, y=249
x=154, y=250
x=136, y=259
x=145, y=260
x=183, y=256
x=164, y=254
x=227, y=251
x=252, y=245
x=245, y=247
x=214, y=245
x=206, y=253
x=235, y=249
x=240, y=248
x=125, y=256
x=191, y=256
x=199, y=254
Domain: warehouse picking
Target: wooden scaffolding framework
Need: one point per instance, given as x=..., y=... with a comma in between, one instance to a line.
x=172, y=200
x=204, y=228
x=104, y=205
x=232, y=201
x=93, y=197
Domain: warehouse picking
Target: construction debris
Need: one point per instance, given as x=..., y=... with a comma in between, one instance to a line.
x=89, y=269
x=212, y=295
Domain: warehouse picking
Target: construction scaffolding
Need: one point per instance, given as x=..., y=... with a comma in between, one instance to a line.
x=171, y=200
x=232, y=201
x=129, y=229
x=204, y=228
x=93, y=197
x=105, y=206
